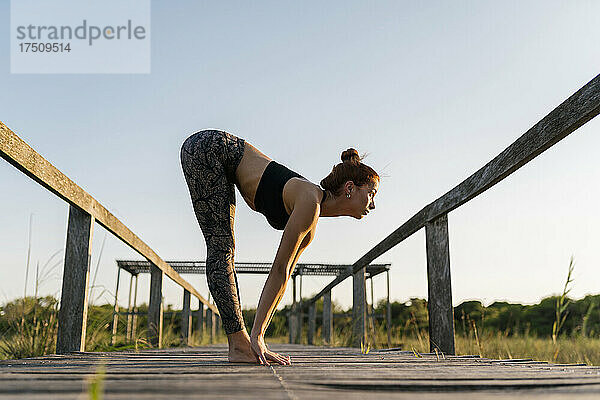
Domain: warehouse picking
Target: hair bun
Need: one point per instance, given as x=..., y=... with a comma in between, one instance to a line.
x=351, y=156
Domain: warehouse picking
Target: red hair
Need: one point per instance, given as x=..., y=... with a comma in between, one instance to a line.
x=350, y=169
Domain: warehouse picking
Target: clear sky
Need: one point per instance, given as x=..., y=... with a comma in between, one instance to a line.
x=431, y=90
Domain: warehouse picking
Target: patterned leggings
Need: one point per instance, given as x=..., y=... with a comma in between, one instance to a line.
x=209, y=159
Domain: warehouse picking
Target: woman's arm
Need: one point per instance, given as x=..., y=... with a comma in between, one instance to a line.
x=303, y=219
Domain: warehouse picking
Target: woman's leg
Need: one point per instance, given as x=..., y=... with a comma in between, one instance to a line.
x=209, y=160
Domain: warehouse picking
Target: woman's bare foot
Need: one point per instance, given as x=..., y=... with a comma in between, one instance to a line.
x=240, y=350
x=264, y=354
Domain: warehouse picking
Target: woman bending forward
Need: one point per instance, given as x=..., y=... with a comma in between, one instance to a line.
x=213, y=162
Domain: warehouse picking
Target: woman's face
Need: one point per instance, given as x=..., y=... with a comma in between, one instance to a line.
x=362, y=198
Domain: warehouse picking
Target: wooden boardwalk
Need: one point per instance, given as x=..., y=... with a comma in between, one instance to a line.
x=316, y=373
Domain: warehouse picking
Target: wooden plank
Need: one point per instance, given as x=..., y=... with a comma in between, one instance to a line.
x=571, y=114
x=327, y=318
x=18, y=153
x=155, y=307
x=315, y=373
x=439, y=304
x=359, y=300
x=312, y=323
x=72, y=316
x=186, y=318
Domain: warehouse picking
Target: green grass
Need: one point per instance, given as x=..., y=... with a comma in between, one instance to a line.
x=495, y=345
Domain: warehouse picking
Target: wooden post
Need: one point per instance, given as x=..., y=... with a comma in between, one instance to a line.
x=388, y=313
x=217, y=325
x=210, y=324
x=115, y=321
x=439, y=304
x=359, y=308
x=299, y=323
x=299, y=313
x=292, y=319
x=312, y=323
x=129, y=310
x=372, y=314
x=186, y=318
x=72, y=316
x=327, y=318
x=155, y=307
x=200, y=324
x=135, y=310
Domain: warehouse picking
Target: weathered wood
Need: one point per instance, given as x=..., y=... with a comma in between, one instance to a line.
x=571, y=114
x=210, y=325
x=155, y=307
x=129, y=310
x=312, y=323
x=186, y=318
x=292, y=317
x=217, y=325
x=359, y=309
x=388, y=311
x=292, y=325
x=18, y=153
x=115, y=320
x=327, y=318
x=299, y=323
x=371, y=311
x=135, y=310
x=200, y=320
x=317, y=373
x=299, y=313
x=72, y=316
x=439, y=303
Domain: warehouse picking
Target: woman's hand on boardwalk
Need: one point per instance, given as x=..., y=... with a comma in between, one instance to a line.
x=264, y=354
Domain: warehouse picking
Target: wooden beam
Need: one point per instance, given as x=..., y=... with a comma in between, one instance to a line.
x=155, y=307
x=575, y=111
x=18, y=153
x=186, y=318
x=439, y=303
x=359, y=309
x=72, y=316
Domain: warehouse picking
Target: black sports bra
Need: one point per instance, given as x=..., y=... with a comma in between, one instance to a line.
x=268, y=199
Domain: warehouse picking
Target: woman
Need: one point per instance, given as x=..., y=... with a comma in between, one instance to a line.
x=213, y=162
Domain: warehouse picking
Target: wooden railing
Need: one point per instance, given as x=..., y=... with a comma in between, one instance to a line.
x=84, y=210
x=563, y=120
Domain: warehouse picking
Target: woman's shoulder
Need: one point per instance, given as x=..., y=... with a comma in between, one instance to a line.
x=306, y=191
